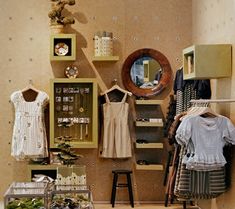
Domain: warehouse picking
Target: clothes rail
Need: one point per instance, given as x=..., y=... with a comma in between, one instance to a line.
x=212, y=100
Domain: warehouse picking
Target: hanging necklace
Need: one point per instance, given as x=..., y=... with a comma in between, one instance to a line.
x=81, y=109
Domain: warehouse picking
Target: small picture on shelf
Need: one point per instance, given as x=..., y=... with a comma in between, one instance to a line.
x=63, y=47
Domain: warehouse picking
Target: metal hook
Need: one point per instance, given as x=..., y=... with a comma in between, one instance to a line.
x=30, y=82
x=115, y=81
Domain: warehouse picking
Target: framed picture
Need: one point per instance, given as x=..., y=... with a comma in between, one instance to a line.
x=63, y=47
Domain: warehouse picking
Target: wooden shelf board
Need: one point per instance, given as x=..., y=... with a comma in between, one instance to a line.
x=148, y=102
x=149, y=145
x=155, y=167
x=105, y=58
x=148, y=124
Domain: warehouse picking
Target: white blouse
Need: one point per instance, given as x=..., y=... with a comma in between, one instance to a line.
x=29, y=135
x=205, y=139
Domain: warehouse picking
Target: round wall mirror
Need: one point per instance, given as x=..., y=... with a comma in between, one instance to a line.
x=146, y=72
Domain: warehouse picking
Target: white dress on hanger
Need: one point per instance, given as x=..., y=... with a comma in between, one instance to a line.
x=116, y=135
x=29, y=134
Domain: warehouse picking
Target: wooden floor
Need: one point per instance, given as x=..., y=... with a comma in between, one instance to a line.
x=142, y=206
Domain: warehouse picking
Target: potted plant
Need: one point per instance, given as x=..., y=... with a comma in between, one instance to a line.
x=57, y=19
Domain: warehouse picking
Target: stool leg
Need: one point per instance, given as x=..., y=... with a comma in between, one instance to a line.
x=130, y=190
x=115, y=178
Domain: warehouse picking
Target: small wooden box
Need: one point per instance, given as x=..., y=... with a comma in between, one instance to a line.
x=207, y=61
x=63, y=47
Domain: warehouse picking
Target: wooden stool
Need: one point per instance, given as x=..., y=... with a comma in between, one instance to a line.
x=116, y=173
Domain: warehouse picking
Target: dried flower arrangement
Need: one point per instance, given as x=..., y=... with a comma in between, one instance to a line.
x=56, y=13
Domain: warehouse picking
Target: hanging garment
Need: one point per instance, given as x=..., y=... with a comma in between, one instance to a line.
x=29, y=134
x=205, y=138
x=116, y=135
x=170, y=115
x=192, y=184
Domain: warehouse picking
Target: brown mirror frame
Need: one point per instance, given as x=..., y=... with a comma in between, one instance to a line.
x=164, y=81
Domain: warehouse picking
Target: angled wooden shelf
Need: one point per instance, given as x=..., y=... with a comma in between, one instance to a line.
x=148, y=102
x=148, y=124
x=149, y=146
x=154, y=167
x=104, y=58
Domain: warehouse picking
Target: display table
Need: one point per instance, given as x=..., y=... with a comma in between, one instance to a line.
x=39, y=195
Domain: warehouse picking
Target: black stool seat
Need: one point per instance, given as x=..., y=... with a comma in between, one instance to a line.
x=121, y=171
x=128, y=184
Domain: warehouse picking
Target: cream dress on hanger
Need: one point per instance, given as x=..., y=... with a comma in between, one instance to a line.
x=116, y=135
x=29, y=135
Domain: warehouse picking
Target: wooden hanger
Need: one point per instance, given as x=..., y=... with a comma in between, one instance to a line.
x=200, y=111
x=30, y=87
x=116, y=87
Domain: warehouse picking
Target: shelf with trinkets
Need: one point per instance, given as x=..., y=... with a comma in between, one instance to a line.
x=73, y=112
x=149, y=135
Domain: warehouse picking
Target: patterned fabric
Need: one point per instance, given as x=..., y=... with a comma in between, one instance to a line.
x=198, y=184
x=188, y=94
x=179, y=102
x=183, y=98
x=29, y=134
x=170, y=115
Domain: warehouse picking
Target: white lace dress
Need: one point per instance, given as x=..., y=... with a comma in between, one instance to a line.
x=29, y=135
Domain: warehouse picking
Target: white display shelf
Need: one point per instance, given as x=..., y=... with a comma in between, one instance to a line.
x=105, y=58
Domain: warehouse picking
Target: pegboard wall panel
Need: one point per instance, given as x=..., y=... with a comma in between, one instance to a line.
x=214, y=23
x=25, y=34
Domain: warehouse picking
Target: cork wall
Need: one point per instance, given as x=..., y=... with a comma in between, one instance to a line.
x=164, y=25
x=214, y=22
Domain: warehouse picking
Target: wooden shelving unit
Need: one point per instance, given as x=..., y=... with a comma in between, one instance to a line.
x=149, y=131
